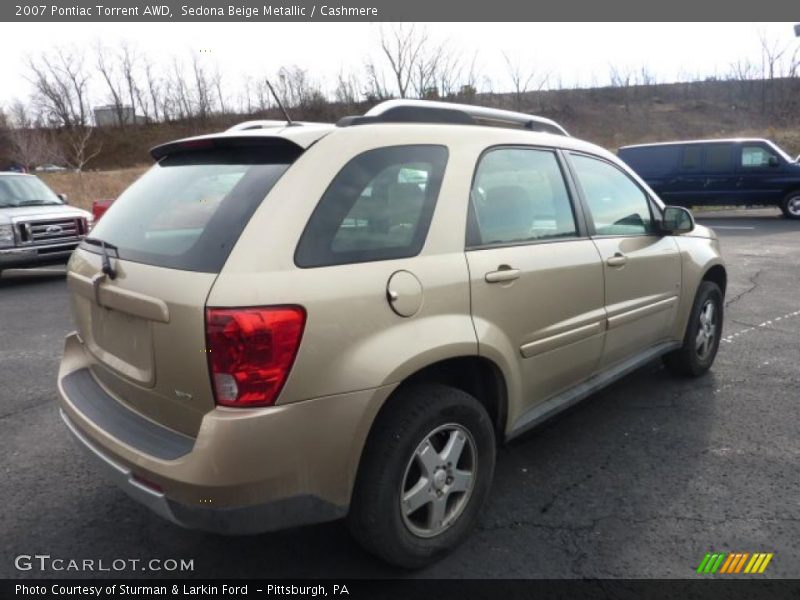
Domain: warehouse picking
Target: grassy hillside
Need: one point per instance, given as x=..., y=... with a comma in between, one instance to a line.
x=610, y=116
x=84, y=188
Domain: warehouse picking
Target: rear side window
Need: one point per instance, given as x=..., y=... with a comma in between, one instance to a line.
x=719, y=158
x=378, y=207
x=519, y=195
x=188, y=210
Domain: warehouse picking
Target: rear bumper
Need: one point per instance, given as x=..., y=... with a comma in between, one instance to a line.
x=271, y=516
x=246, y=471
x=33, y=256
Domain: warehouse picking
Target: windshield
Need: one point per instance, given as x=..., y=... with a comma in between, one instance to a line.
x=188, y=210
x=21, y=190
x=780, y=151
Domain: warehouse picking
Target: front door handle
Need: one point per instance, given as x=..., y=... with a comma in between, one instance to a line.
x=503, y=273
x=618, y=260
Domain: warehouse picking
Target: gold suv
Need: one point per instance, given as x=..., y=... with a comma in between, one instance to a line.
x=291, y=323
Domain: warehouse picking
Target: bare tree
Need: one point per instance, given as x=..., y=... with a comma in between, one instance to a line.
x=179, y=101
x=216, y=82
x=523, y=79
x=80, y=147
x=29, y=144
x=129, y=60
x=402, y=46
x=376, y=89
x=113, y=83
x=202, y=90
x=622, y=78
x=771, y=54
x=154, y=90
x=60, y=83
x=347, y=89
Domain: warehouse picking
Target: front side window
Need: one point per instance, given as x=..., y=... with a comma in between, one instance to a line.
x=378, y=207
x=756, y=156
x=519, y=195
x=617, y=205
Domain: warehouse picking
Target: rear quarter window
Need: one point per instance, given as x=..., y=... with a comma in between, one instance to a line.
x=378, y=207
x=189, y=209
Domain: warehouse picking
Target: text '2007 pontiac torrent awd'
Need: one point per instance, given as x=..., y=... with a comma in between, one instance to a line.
x=279, y=325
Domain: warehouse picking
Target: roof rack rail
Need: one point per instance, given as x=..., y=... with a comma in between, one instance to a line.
x=427, y=111
x=262, y=124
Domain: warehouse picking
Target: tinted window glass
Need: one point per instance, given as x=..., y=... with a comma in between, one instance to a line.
x=756, y=156
x=188, y=210
x=651, y=160
x=617, y=205
x=378, y=207
x=719, y=158
x=519, y=195
x=692, y=157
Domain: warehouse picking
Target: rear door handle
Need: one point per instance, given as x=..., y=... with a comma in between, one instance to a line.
x=617, y=260
x=503, y=273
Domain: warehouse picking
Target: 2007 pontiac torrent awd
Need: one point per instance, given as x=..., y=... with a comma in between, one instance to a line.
x=287, y=323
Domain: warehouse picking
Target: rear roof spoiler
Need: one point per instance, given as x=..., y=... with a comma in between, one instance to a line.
x=212, y=142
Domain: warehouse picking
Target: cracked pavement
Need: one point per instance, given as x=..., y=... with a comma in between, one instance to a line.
x=638, y=481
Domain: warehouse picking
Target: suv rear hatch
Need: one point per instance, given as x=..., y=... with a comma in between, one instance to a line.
x=141, y=280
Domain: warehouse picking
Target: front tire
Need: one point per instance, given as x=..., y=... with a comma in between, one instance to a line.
x=424, y=477
x=703, y=333
x=791, y=205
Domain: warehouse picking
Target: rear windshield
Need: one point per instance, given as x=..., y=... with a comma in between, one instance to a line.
x=188, y=210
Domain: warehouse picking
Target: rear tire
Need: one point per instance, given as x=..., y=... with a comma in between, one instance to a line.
x=424, y=477
x=703, y=333
x=791, y=205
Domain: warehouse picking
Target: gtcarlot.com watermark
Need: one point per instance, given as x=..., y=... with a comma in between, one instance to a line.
x=48, y=563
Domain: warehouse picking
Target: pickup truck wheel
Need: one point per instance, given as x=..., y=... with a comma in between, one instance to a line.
x=424, y=477
x=791, y=205
x=703, y=332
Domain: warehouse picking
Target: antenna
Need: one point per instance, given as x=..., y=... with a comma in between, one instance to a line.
x=289, y=121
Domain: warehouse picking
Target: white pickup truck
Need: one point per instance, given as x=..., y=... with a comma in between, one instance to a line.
x=37, y=227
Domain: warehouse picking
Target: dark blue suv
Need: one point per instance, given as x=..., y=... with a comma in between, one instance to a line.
x=718, y=172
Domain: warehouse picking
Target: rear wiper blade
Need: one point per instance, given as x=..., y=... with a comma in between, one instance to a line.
x=107, y=268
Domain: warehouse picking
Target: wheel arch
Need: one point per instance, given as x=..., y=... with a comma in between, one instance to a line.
x=717, y=274
x=473, y=374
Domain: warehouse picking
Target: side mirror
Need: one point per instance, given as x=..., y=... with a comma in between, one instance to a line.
x=677, y=220
x=773, y=161
x=63, y=198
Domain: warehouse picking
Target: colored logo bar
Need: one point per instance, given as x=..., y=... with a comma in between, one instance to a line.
x=734, y=562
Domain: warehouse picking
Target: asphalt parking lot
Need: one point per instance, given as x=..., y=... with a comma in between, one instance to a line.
x=639, y=481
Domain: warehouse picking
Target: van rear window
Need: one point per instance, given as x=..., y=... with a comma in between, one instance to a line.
x=189, y=209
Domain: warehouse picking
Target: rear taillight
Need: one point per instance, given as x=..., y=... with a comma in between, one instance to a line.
x=251, y=351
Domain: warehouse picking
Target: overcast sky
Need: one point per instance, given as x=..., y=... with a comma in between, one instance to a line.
x=577, y=53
